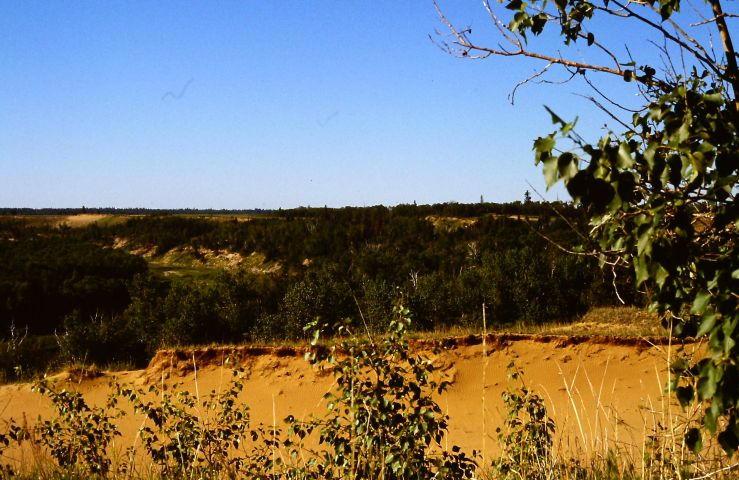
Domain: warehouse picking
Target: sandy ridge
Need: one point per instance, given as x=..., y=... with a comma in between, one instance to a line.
x=598, y=389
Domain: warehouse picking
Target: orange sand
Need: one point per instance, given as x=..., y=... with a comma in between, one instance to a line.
x=598, y=390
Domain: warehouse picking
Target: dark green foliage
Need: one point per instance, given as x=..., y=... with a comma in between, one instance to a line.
x=319, y=295
x=186, y=437
x=445, y=260
x=383, y=421
x=674, y=225
x=527, y=436
x=100, y=339
x=80, y=436
x=145, y=316
x=42, y=279
x=227, y=310
x=23, y=357
x=166, y=232
x=376, y=301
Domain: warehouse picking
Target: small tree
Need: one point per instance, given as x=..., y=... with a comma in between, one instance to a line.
x=661, y=190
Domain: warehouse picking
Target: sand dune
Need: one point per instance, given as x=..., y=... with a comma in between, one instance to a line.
x=597, y=389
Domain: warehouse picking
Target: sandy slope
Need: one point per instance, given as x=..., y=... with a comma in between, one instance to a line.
x=598, y=390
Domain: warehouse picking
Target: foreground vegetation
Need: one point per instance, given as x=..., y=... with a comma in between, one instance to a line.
x=382, y=421
x=113, y=292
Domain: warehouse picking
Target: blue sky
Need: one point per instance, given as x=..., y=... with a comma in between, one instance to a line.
x=241, y=104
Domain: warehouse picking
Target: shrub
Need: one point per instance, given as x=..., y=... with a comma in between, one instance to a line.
x=79, y=436
x=185, y=436
x=383, y=421
x=527, y=436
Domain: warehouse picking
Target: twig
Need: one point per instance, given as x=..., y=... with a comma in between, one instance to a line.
x=361, y=315
x=716, y=472
x=712, y=20
x=559, y=214
x=607, y=112
x=615, y=287
x=512, y=95
x=608, y=99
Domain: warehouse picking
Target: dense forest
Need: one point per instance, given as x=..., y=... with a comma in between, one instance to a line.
x=98, y=293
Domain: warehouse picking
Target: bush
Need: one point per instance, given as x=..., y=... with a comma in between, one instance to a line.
x=102, y=339
x=527, y=436
x=79, y=436
x=183, y=439
x=383, y=421
x=22, y=357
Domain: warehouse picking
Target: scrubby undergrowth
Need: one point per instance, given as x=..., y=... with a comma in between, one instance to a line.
x=382, y=421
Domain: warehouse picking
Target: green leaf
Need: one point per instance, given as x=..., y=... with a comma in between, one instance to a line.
x=644, y=244
x=700, y=302
x=716, y=98
x=685, y=395
x=601, y=193
x=550, y=171
x=649, y=155
x=728, y=441
x=538, y=23
x=514, y=5
x=314, y=339
x=710, y=418
x=577, y=186
x=693, y=440
x=567, y=165
x=543, y=147
x=641, y=270
x=708, y=383
x=624, y=156
x=707, y=324
x=661, y=276
x=683, y=133
x=556, y=119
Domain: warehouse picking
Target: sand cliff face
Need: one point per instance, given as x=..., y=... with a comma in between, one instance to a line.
x=598, y=389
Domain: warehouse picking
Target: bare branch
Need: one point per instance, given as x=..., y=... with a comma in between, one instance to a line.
x=713, y=20
x=687, y=37
x=705, y=60
x=504, y=30
x=607, y=112
x=465, y=47
x=608, y=99
x=512, y=95
x=615, y=285
x=604, y=49
x=560, y=215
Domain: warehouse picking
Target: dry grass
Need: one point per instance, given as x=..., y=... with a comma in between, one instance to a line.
x=601, y=321
x=604, y=321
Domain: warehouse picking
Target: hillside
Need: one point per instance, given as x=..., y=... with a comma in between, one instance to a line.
x=113, y=287
x=602, y=392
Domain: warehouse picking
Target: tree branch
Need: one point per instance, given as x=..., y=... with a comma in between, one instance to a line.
x=705, y=60
x=732, y=73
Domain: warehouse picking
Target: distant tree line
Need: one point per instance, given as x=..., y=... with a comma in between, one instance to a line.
x=445, y=261
x=128, y=211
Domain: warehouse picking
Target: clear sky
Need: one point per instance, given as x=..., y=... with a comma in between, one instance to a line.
x=260, y=104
